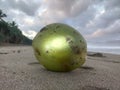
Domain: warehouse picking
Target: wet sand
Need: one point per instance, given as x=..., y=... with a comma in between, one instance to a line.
x=19, y=70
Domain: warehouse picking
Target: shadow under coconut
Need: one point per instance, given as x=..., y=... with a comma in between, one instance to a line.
x=33, y=63
x=82, y=67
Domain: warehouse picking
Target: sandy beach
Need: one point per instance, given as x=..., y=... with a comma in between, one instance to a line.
x=19, y=70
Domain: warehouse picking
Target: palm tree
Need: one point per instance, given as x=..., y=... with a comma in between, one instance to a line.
x=13, y=24
x=2, y=15
x=3, y=24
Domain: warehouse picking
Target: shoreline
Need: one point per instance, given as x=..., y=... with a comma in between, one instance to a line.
x=89, y=51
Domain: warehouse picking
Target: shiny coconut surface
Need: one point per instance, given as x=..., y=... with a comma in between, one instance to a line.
x=59, y=47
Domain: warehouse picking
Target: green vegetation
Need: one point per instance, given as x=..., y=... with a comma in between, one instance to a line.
x=10, y=33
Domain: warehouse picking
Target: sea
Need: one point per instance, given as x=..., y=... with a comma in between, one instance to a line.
x=112, y=50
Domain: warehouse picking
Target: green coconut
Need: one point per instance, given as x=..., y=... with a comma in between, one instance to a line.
x=59, y=47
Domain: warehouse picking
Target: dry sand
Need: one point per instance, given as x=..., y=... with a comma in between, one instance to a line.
x=19, y=70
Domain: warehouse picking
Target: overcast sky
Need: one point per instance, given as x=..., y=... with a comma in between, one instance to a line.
x=97, y=20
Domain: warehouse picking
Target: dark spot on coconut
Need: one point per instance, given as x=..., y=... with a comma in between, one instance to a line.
x=66, y=67
x=82, y=48
x=44, y=29
x=77, y=63
x=80, y=41
x=38, y=52
x=72, y=63
x=75, y=32
x=54, y=31
x=47, y=51
x=68, y=39
x=75, y=49
x=80, y=57
x=40, y=35
x=70, y=42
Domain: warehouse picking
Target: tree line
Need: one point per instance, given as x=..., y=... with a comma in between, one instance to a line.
x=10, y=33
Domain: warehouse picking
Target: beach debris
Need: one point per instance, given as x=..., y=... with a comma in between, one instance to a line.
x=14, y=51
x=3, y=52
x=96, y=55
x=18, y=51
x=87, y=67
x=14, y=72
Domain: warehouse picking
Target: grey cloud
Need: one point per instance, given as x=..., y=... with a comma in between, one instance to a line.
x=83, y=19
x=108, y=18
x=27, y=7
x=110, y=33
x=79, y=7
x=69, y=8
x=112, y=4
x=111, y=14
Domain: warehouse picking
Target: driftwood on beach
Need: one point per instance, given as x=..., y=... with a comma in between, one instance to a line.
x=96, y=54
